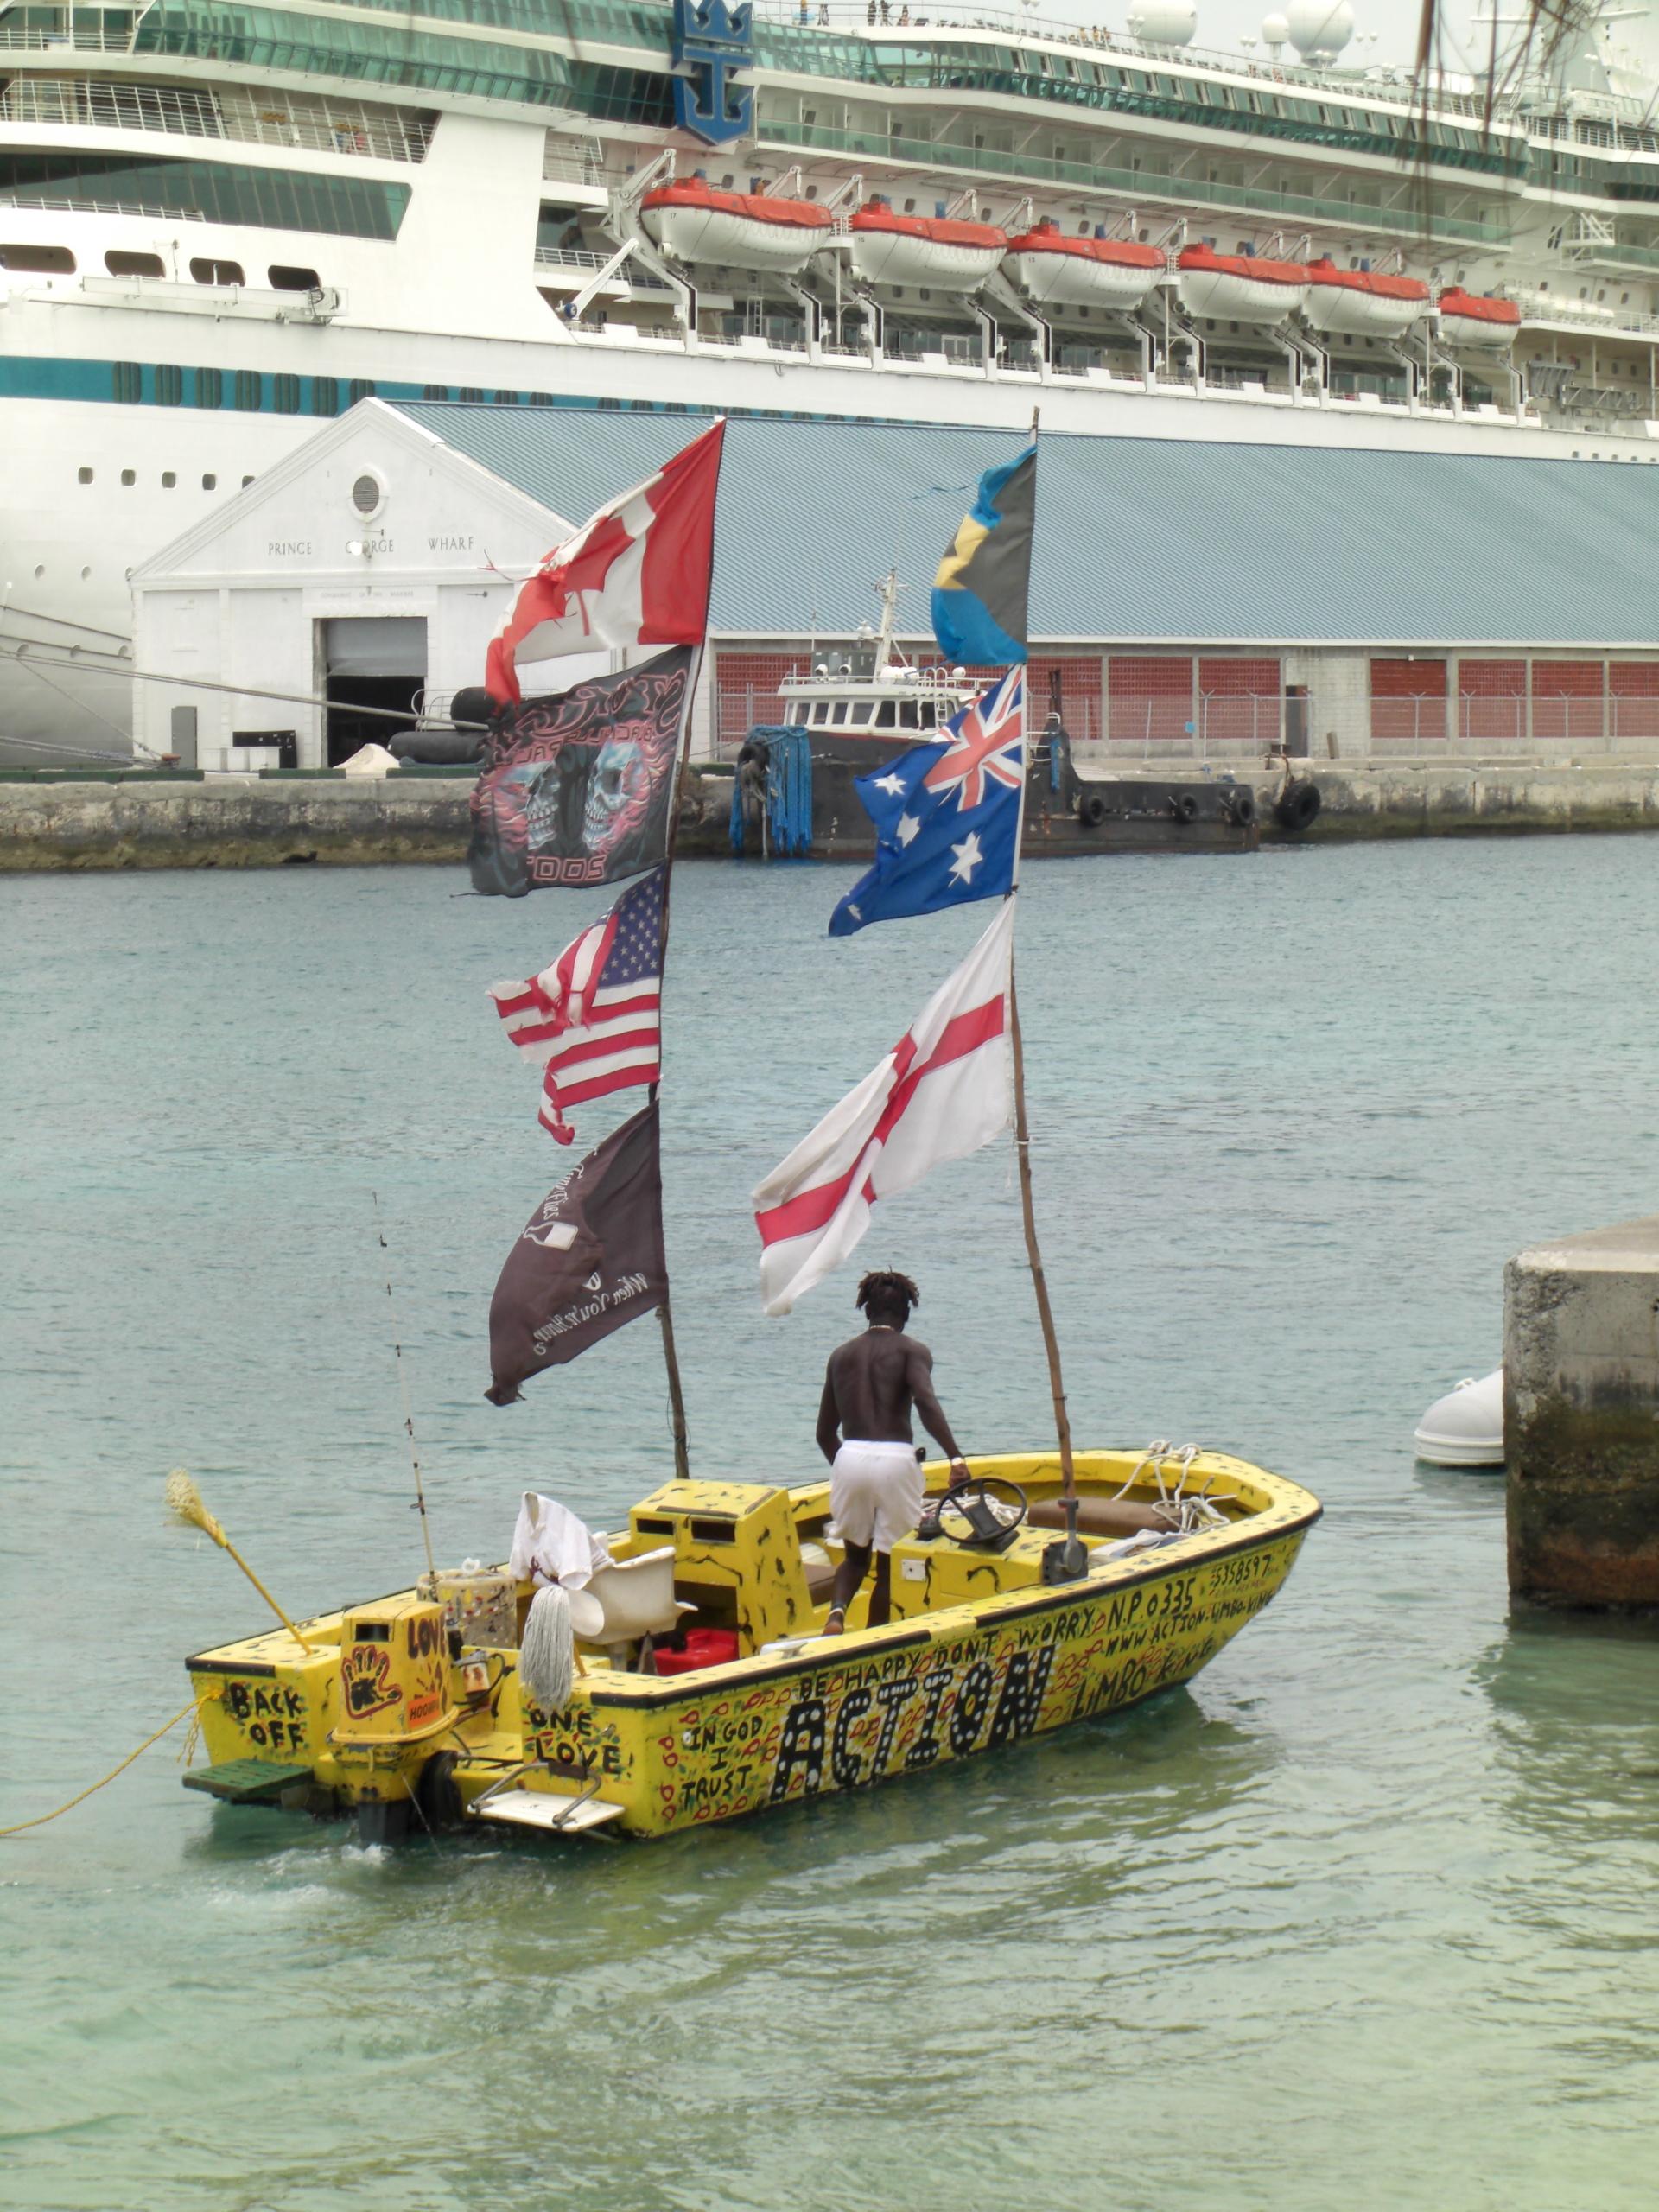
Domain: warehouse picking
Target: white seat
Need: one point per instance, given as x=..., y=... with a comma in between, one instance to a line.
x=635, y=1598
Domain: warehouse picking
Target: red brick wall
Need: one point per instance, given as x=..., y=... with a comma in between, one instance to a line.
x=1492, y=699
x=1408, y=700
x=1149, y=697
x=1567, y=700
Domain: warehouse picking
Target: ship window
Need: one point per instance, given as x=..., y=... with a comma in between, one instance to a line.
x=84, y=475
x=359, y=388
x=210, y=387
x=127, y=381
x=861, y=712
x=434, y=391
x=43, y=260
x=324, y=396
x=130, y=475
x=884, y=718
x=210, y=483
x=169, y=479
x=206, y=271
x=838, y=712
x=133, y=264
x=538, y=398
x=283, y=279
x=506, y=399
x=169, y=384
x=470, y=392
x=285, y=394
x=250, y=391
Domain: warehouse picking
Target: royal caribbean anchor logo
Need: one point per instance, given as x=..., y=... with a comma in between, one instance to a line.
x=710, y=40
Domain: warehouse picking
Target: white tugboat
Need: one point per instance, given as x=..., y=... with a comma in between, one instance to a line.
x=871, y=691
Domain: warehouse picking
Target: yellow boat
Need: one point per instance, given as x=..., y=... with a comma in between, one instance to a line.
x=409, y=1708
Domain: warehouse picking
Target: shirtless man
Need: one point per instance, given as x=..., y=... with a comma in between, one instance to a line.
x=875, y=1477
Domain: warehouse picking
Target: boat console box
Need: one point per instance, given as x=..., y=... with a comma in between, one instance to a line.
x=391, y=1713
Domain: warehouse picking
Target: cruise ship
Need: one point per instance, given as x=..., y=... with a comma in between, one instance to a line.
x=221, y=224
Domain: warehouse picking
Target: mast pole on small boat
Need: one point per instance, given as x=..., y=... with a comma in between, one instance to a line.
x=665, y=1312
x=1074, y=1559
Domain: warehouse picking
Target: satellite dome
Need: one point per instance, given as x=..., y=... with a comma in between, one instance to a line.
x=1276, y=31
x=1164, y=23
x=1320, y=28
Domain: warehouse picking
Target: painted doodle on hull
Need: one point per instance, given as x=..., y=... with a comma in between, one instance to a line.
x=821, y=1727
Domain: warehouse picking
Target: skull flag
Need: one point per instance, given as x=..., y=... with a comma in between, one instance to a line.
x=587, y=1262
x=577, y=788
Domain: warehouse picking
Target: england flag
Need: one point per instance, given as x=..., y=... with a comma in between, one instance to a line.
x=944, y=1089
x=946, y=816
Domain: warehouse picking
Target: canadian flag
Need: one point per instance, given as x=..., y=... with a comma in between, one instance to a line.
x=944, y=1090
x=636, y=575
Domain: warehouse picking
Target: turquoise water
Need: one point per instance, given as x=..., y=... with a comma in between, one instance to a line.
x=1363, y=1917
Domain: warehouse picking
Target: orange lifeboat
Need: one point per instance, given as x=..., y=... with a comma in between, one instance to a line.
x=1476, y=318
x=1239, y=287
x=1360, y=303
x=932, y=250
x=1054, y=270
x=692, y=220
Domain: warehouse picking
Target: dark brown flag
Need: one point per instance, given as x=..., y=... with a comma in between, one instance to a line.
x=589, y=1261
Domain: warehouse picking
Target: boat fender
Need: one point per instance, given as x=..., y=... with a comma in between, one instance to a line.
x=1241, y=805
x=1092, y=808
x=437, y=1800
x=1184, y=807
x=1298, y=805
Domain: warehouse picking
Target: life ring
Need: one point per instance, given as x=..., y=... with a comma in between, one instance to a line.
x=1241, y=805
x=1184, y=806
x=1298, y=805
x=1092, y=808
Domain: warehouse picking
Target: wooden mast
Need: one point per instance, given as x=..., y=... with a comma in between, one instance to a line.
x=665, y=1312
x=1074, y=1558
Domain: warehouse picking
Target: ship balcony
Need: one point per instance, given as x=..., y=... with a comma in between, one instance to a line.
x=1136, y=187
x=239, y=114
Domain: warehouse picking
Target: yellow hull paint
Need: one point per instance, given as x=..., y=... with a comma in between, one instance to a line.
x=980, y=1654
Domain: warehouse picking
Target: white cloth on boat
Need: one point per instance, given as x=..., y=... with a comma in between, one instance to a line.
x=875, y=1492
x=550, y=1544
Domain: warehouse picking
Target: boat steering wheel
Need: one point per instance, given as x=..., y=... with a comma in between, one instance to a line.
x=988, y=1509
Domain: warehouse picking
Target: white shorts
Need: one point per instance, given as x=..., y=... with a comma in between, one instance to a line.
x=875, y=1492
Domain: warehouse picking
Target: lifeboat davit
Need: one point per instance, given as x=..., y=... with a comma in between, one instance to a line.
x=1053, y=270
x=1239, y=287
x=931, y=250
x=1476, y=318
x=734, y=230
x=1355, y=303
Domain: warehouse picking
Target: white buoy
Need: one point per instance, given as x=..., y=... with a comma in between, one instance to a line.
x=1466, y=1428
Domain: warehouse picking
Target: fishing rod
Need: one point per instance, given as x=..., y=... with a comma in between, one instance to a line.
x=402, y=1386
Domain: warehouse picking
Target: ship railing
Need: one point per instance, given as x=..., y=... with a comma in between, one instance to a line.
x=183, y=111
x=81, y=39
x=75, y=204
x=565, y=168
x=578, y=261
x=1396, y=87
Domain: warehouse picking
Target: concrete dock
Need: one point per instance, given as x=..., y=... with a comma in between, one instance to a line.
x=1581, y=1417
x=143, y=820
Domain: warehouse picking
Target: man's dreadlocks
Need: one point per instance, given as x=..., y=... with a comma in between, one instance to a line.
x=884, y=1293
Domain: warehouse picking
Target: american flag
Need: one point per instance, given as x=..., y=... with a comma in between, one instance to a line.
x=593, y=1019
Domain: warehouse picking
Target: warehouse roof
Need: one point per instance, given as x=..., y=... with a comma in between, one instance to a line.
x=1138, y=539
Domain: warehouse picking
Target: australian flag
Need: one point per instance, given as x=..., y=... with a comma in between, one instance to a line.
x=946, y=816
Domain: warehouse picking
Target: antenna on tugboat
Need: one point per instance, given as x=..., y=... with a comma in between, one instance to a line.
x=402, y=1387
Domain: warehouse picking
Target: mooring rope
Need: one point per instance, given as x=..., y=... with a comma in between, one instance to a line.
x=41, y=1819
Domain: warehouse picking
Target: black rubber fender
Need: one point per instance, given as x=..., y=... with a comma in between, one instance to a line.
x=1297, y=807
x=1241, y=805
x=1184, y=806
x=1092, y=808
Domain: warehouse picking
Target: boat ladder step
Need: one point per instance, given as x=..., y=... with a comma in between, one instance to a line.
x=541, y=1808
x=245, y=1782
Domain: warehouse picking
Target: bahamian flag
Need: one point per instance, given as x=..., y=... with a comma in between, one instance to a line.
x=980, y=593
x=946, y=816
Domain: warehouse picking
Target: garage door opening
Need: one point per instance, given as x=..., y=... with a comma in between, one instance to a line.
x=375, y=662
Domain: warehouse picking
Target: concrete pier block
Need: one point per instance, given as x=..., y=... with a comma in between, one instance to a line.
x=1581, y=1417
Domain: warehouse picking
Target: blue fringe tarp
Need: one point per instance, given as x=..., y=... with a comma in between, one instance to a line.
x=789, y=792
